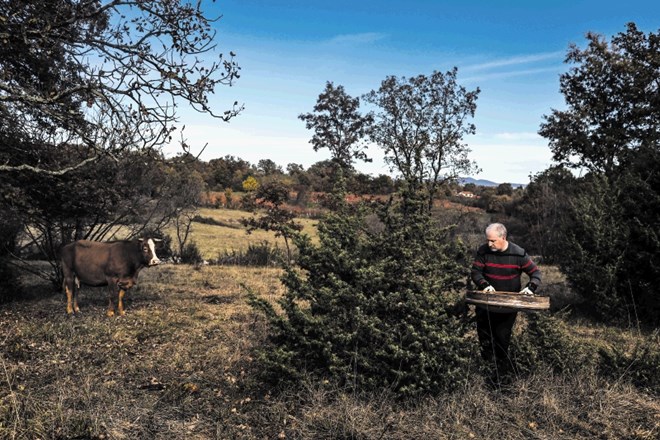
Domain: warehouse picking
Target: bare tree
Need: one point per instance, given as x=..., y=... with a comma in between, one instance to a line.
x=184, y=203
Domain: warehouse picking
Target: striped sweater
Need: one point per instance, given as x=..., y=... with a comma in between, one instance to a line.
x=502, y=270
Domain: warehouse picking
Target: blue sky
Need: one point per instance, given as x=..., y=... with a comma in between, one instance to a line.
x=512, y=50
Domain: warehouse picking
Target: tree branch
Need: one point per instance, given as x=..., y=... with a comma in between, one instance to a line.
x=38, y=170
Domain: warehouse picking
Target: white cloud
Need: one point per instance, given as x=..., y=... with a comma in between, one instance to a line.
x=517, y=60
x=510, y=74
x=511, y=162
x=516, y=66
x=361, y=38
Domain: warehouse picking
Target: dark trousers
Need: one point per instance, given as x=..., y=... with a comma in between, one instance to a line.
x=494, y=331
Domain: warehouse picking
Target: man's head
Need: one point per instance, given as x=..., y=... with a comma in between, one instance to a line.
x=496, y=237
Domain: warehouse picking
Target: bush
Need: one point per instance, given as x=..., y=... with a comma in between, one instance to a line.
x=190, y=254
x=548, y=343
x=163, y=246
x=260, y=254
x=640, y=365
x=370, y=307
x=10, y=287
x=595, y=237
x=601, y=235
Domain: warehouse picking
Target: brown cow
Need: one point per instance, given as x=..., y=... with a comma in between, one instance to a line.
x=114, y=264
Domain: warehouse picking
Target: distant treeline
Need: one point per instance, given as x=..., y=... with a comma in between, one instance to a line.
x=231, y=172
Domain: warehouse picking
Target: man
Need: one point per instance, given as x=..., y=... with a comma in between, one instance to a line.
x=498, y=266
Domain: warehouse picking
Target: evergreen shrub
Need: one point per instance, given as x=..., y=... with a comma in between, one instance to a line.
x=547, y=343
x=371, y=308
x=190, y=254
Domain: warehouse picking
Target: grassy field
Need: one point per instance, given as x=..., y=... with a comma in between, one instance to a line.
x=180, y=365
x=214, y=240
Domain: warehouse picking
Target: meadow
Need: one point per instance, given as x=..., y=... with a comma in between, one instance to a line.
x=180, y=365
x=229, y=235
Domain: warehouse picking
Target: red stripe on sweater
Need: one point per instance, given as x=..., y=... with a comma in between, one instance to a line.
x=500, y=277
x=503, y=266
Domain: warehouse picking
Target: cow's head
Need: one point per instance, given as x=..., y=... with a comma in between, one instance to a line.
x=148, y=247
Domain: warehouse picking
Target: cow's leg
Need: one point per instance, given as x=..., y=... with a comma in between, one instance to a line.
x=123, y=285
x=76, y=290
x=120, y=304
x=112, y=291
x=68, y=288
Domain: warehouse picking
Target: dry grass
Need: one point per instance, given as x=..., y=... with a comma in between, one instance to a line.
x=538, y=408
x=169, y=369
x=215, y=240
x=179, y=366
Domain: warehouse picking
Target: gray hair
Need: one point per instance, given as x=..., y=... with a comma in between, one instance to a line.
x=498, y=228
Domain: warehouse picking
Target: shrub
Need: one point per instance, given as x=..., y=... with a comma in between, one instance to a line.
x=369, y=307
x=190, y=254
x=10, y=287
x=259, y=254
x=164, y=246
x=548, y=343
x=606, y=242
x=595, y=236
x=640, y=365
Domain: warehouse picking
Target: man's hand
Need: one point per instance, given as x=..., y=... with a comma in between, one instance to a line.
x=527, y=291
x=489, y=289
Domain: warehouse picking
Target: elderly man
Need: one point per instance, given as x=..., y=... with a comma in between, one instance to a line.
x=498, y=266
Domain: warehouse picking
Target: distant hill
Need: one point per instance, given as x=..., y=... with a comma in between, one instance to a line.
x=484, y=182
